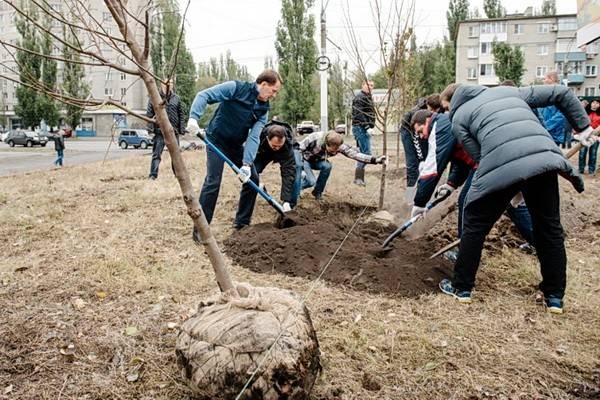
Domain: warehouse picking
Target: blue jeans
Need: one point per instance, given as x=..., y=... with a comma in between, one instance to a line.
x=519, y=216
x=411, y=159
x=591, y=162
x=60, y=155
x=158, y=145
x=212, y=182
x=319, y=183
x=363, y=141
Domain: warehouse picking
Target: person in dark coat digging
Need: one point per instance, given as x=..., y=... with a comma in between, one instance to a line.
x=499, y=130
x=276, y=145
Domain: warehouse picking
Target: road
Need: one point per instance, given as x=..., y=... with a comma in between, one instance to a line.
x=18, y=159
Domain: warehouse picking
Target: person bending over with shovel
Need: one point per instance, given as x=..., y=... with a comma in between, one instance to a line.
x=499, y=130
x=315, y=150
x=276, y=145
x=437, y=130
x=234, y=129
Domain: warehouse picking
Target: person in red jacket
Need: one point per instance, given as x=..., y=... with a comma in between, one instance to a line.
x=584, y=159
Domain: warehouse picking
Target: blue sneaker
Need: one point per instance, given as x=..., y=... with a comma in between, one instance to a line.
x=553, y=304
x=463, y=296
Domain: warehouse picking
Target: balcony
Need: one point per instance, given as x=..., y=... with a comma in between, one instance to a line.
x=570, y=56
x=576, y=79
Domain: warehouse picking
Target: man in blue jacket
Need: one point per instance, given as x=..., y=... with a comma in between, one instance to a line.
x=554, y=121
x=235, y=129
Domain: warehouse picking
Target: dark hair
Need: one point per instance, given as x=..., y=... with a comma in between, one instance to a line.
x=275, y=131
x=447, y=94
x=420, y=117
x=270, y=76
x=433, y=101
x=508, y=82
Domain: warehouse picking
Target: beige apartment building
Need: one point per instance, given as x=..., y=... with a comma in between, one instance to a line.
x=548, y=44
x=103, y=82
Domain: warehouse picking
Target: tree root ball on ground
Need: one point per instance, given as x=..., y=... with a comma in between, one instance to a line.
x=220, y=347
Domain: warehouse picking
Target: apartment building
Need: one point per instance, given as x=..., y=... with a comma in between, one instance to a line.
x=548, y=44
x=103, y=82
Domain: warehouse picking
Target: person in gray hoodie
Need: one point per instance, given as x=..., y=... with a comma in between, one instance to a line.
x=499, y=130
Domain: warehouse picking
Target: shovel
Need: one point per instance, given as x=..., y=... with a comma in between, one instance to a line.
x=387, y=247
x=284, y=219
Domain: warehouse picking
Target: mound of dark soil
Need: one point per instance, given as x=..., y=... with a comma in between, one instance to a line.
x=305, y=249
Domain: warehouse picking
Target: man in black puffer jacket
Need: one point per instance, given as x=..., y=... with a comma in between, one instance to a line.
x=499, y=130
x=276, y=145
x=176, y=115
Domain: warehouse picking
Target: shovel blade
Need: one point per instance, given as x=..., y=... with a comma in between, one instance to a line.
x=286, y=220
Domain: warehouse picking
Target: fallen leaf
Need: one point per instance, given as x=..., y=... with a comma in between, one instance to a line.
x=430, y=366
x=171, y=325
x=78, y=303
x=131, y=331
x=8, y=389
x=21, y=269
x=357, y=318
x=101, y=294
x=133, y=376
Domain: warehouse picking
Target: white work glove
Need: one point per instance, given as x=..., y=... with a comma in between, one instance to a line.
x=244, y=175
x=517, y=200
x=192, y=127
x=443, y=191
x=370, y=131
x=409, y=194
x=586, y=138
x=381, y=160
x=418, y=211
x=286, y=207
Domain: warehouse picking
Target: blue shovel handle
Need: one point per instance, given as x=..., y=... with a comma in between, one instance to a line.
x=235, y=169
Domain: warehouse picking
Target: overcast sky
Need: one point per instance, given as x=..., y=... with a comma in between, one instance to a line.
x=247, y=27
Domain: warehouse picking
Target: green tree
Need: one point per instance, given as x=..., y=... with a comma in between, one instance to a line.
x=169, y=52
x=434, y=66
x=296, y=53
x=30, y=68
x=458, y=10
x=218, y=70
x=73, y=82
x=509, y=62
x=47, y=107
x=549, y=7
x=336, y=89
x=493, y=9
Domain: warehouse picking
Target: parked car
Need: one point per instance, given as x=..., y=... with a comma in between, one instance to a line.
x=341, y=129
x=25, y=138
x=305, y=127
x=138, y=138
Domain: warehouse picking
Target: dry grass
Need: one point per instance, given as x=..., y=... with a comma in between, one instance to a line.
x=89, y=251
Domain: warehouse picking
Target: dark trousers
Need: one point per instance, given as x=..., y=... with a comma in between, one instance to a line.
x=158, y=145
x=212, y=182
x=519, y=215
x=248, y=197
x=541, y=195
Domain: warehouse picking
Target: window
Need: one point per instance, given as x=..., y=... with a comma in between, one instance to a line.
x=472, y=52
x=576, y=67
x=471, y=73
x=518, y=29
x=123, y=77
x=106, y=16
x=590, y=70
x=567, y=24
x=123, y=91
x=87, y=124
x=541, y=71
x=590, y=91
x=486, y=70
x=543, y=27
x=566, y=45
x=473, y=31
x=108, y=91
x=108, y=76
x=493, y=27
x=486, y=48
x=542, y=50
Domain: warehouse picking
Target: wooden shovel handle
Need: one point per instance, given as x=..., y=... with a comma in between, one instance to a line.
x=575, y=149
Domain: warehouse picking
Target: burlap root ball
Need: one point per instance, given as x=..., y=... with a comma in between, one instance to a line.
x=220, y=346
